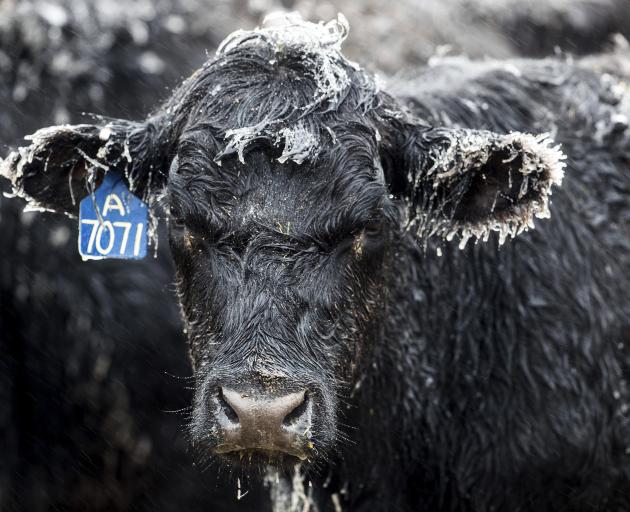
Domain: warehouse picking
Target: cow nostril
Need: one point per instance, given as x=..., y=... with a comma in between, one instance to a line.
x=227, y=409
x=298, y=413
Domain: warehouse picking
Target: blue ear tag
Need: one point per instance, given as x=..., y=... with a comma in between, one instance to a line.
x=113, y=222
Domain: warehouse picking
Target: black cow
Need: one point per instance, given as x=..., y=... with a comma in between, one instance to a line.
x=337, y=330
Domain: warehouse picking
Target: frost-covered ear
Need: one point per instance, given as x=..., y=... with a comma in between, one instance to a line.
x=63, y=164
x=471, y=182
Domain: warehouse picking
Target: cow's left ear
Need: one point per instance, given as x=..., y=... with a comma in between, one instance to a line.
x=63, y=164
x=471, y=182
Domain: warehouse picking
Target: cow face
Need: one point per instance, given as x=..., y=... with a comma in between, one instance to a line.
x=289, y=182
x=282, y=272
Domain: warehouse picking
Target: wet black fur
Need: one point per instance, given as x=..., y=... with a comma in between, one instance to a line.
x=482, y=379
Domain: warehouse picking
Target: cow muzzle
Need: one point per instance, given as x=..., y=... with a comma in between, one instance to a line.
x=258, y=424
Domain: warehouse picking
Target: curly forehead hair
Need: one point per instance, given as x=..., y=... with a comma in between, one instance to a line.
x=287, y=84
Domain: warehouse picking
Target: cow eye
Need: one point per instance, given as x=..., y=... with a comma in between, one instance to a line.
x=177, y=222
x=373, y=229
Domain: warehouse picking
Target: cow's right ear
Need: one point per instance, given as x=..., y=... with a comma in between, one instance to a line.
x=63, y=164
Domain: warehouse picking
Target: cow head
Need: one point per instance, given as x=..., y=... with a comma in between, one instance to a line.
x=290, y=182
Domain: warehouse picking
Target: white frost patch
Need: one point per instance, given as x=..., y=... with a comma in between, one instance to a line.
x=105, y=133
x=299, y=143
x=289, y=496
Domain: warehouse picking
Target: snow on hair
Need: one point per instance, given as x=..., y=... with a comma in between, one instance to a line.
x=319, y=47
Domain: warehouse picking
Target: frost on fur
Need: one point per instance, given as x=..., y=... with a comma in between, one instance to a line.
x=318, y=43
x=32, y=169
x=478, y=182
x=290, y=495
x=299, y=143
x=318, y=47
x=63, y=164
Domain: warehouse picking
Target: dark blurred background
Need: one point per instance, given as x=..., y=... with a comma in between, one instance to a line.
x=94, y=372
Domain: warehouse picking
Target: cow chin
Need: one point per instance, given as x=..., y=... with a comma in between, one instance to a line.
x=258, y=459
